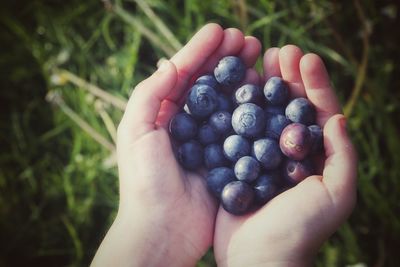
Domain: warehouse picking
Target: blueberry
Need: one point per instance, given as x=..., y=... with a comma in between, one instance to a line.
x=249, y=93
x=237, y=197
x=214, y=156
x=235, y=147
x=208, y=80
x=247, y=169
x=295, y=141
x=202, y=101
x=217, y=179
x=267, y=152
x=317, y=142
x=275, y=125
x=208, y=135
x=296, y=171
x=222, y=122
x=224, y=103
x=248, y=120
x=183, y=127
x=230, y=71
x=300, y=110
x=276, y=91
x=266, y=187
x=190, y=155
x=270, y=109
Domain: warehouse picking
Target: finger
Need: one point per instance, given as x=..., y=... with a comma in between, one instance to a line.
x=271, y=63
x=231, y=44
x=193, y=55
x=251, y=77
x=250, y=51
x=144, y=104
x=340, y=171
x=289, y=62
x=318, y=88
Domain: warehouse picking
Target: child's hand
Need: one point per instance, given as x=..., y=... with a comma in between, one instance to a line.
x=289, y=229
x=166, y=216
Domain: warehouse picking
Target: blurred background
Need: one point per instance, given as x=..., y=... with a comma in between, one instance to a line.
x=68, y=67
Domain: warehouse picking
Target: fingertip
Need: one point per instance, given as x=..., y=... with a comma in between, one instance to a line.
x=271, y=63
x=313, y=71
x=250, y=51
x=289, y=61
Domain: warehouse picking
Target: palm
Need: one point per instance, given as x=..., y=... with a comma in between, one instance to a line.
x=178, y=194
x=296, y=222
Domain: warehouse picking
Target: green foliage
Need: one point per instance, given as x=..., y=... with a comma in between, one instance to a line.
x=58, y=181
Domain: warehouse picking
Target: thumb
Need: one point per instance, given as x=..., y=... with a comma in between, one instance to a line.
x=144, y=104
x=340, y=171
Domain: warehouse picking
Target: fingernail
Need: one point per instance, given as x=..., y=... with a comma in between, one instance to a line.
x=343, y=123
x=162, y=65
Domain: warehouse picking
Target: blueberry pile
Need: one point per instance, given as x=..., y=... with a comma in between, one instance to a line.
x=255, y=142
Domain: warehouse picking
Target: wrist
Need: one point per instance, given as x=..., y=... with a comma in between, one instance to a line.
x=154, y=242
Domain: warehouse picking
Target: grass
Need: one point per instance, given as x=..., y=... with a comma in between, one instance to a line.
x=58, y=180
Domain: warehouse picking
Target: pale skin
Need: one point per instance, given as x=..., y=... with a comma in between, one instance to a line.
x=166, y=216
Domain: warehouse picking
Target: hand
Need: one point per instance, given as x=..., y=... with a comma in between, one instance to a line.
x=289, y=229
x=166, y=215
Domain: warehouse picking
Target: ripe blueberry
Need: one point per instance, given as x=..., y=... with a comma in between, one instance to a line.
x=317, y=142
x=300, y=110
x=208, y=135
x=214, y=156
x=202, y=101
x=221, y=121
x=190, y=155
x=248, y=120
x=217, y=179
x=266, y=187
x=208, y=80
x=275, y=125
x=267, y=152
x=183, y=127
x=230, y=71
x=249, y=93
x=237, y=197
x=235, y=147
x=276, y=91
x=247, y=169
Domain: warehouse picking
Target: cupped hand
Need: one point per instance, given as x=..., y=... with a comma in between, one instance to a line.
x=166, y=215
x=289, y=229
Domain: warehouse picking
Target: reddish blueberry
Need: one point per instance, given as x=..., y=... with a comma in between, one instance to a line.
x=295, y=141
x=296, y=171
